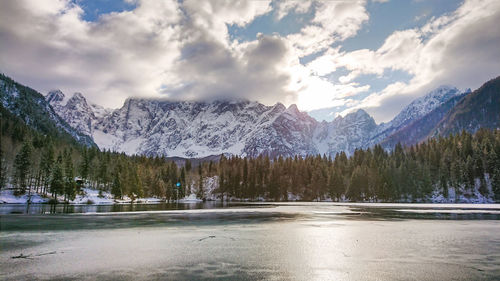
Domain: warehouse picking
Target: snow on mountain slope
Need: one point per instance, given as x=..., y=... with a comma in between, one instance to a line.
x=186, y=129
x=345, y=133
x=414, y=111
x=76, y=111
x=199, y=129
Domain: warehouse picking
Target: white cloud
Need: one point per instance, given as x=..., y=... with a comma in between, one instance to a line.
x=122, y=54
x=182, y=49
x=178, y=49
x=47, y=44
x=212, y=16
x=284, y=7
x=460, y=49
x=333, y=21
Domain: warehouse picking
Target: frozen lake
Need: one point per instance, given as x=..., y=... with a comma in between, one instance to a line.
x=288, y=241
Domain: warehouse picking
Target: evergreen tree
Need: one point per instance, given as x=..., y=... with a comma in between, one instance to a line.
x=182, y=180
x=85, y=164
x=22, y=165
x=103, y=174
x=69, y=177
x=46, y=163
x=187, y=165
x=135, y=184
x=201, y=193
x=336, y=185
x=3, y=169
x=116, y=189
x=357, y=185
x=57, y=182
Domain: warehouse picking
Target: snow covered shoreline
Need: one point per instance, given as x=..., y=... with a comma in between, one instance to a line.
x=89, y=196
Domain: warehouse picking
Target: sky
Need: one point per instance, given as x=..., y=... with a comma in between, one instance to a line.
x=328, y=57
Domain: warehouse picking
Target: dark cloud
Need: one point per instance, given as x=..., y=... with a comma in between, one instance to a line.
x=217, y=72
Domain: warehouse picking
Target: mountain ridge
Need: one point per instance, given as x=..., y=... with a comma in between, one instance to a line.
x=194, y=129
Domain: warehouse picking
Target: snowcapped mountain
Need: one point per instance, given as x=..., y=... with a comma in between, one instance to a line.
x=345, y=133
x=479, y=109
x=31, y=107
x=420, y=129
x=414, y=111
x=200, y=129
x=76, y=111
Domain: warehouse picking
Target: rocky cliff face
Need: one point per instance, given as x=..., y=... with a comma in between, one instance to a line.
x=200, y=129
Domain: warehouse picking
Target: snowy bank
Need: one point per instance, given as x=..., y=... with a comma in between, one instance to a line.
x=86, y=196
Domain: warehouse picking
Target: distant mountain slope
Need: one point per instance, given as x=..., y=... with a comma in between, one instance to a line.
x=420, y=129
x=480, y=109
x=345, y=133
x=414, y=111
x=36, y=112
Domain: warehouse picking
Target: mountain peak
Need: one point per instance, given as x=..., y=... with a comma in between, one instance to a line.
x=79, y=96
x=362, y=113
x=293, y=108
x=358, y=116
x=424, y=105
x=55, y=96
x=443, y=91
x=354, y=115
x=78, y=100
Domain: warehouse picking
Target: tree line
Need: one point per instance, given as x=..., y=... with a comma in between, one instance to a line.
x=30, y=161
x=461, y=163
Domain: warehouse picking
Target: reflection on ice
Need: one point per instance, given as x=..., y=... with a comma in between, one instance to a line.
x=301, y=241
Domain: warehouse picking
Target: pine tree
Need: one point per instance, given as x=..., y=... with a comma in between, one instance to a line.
x=201, y=193
x=3, y=169
x=69, y=177
x=116, y=189
x=136, y=189
x=85, y=164
x=336, y=185
x=46, y=164
x=187, y=165
x=182, y=180
x=103, y=173
x=57, y=182
x=357, y=185
x=22, y=165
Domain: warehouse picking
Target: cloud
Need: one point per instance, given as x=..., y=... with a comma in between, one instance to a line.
x=333, y=21
x=460, y=49
x=210, y=17
x=256, y=73
x=47, y=44
x=400, y=51
x=286, y=6
x=182, y=50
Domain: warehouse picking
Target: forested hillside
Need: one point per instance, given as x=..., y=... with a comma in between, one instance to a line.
x=32, y=109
